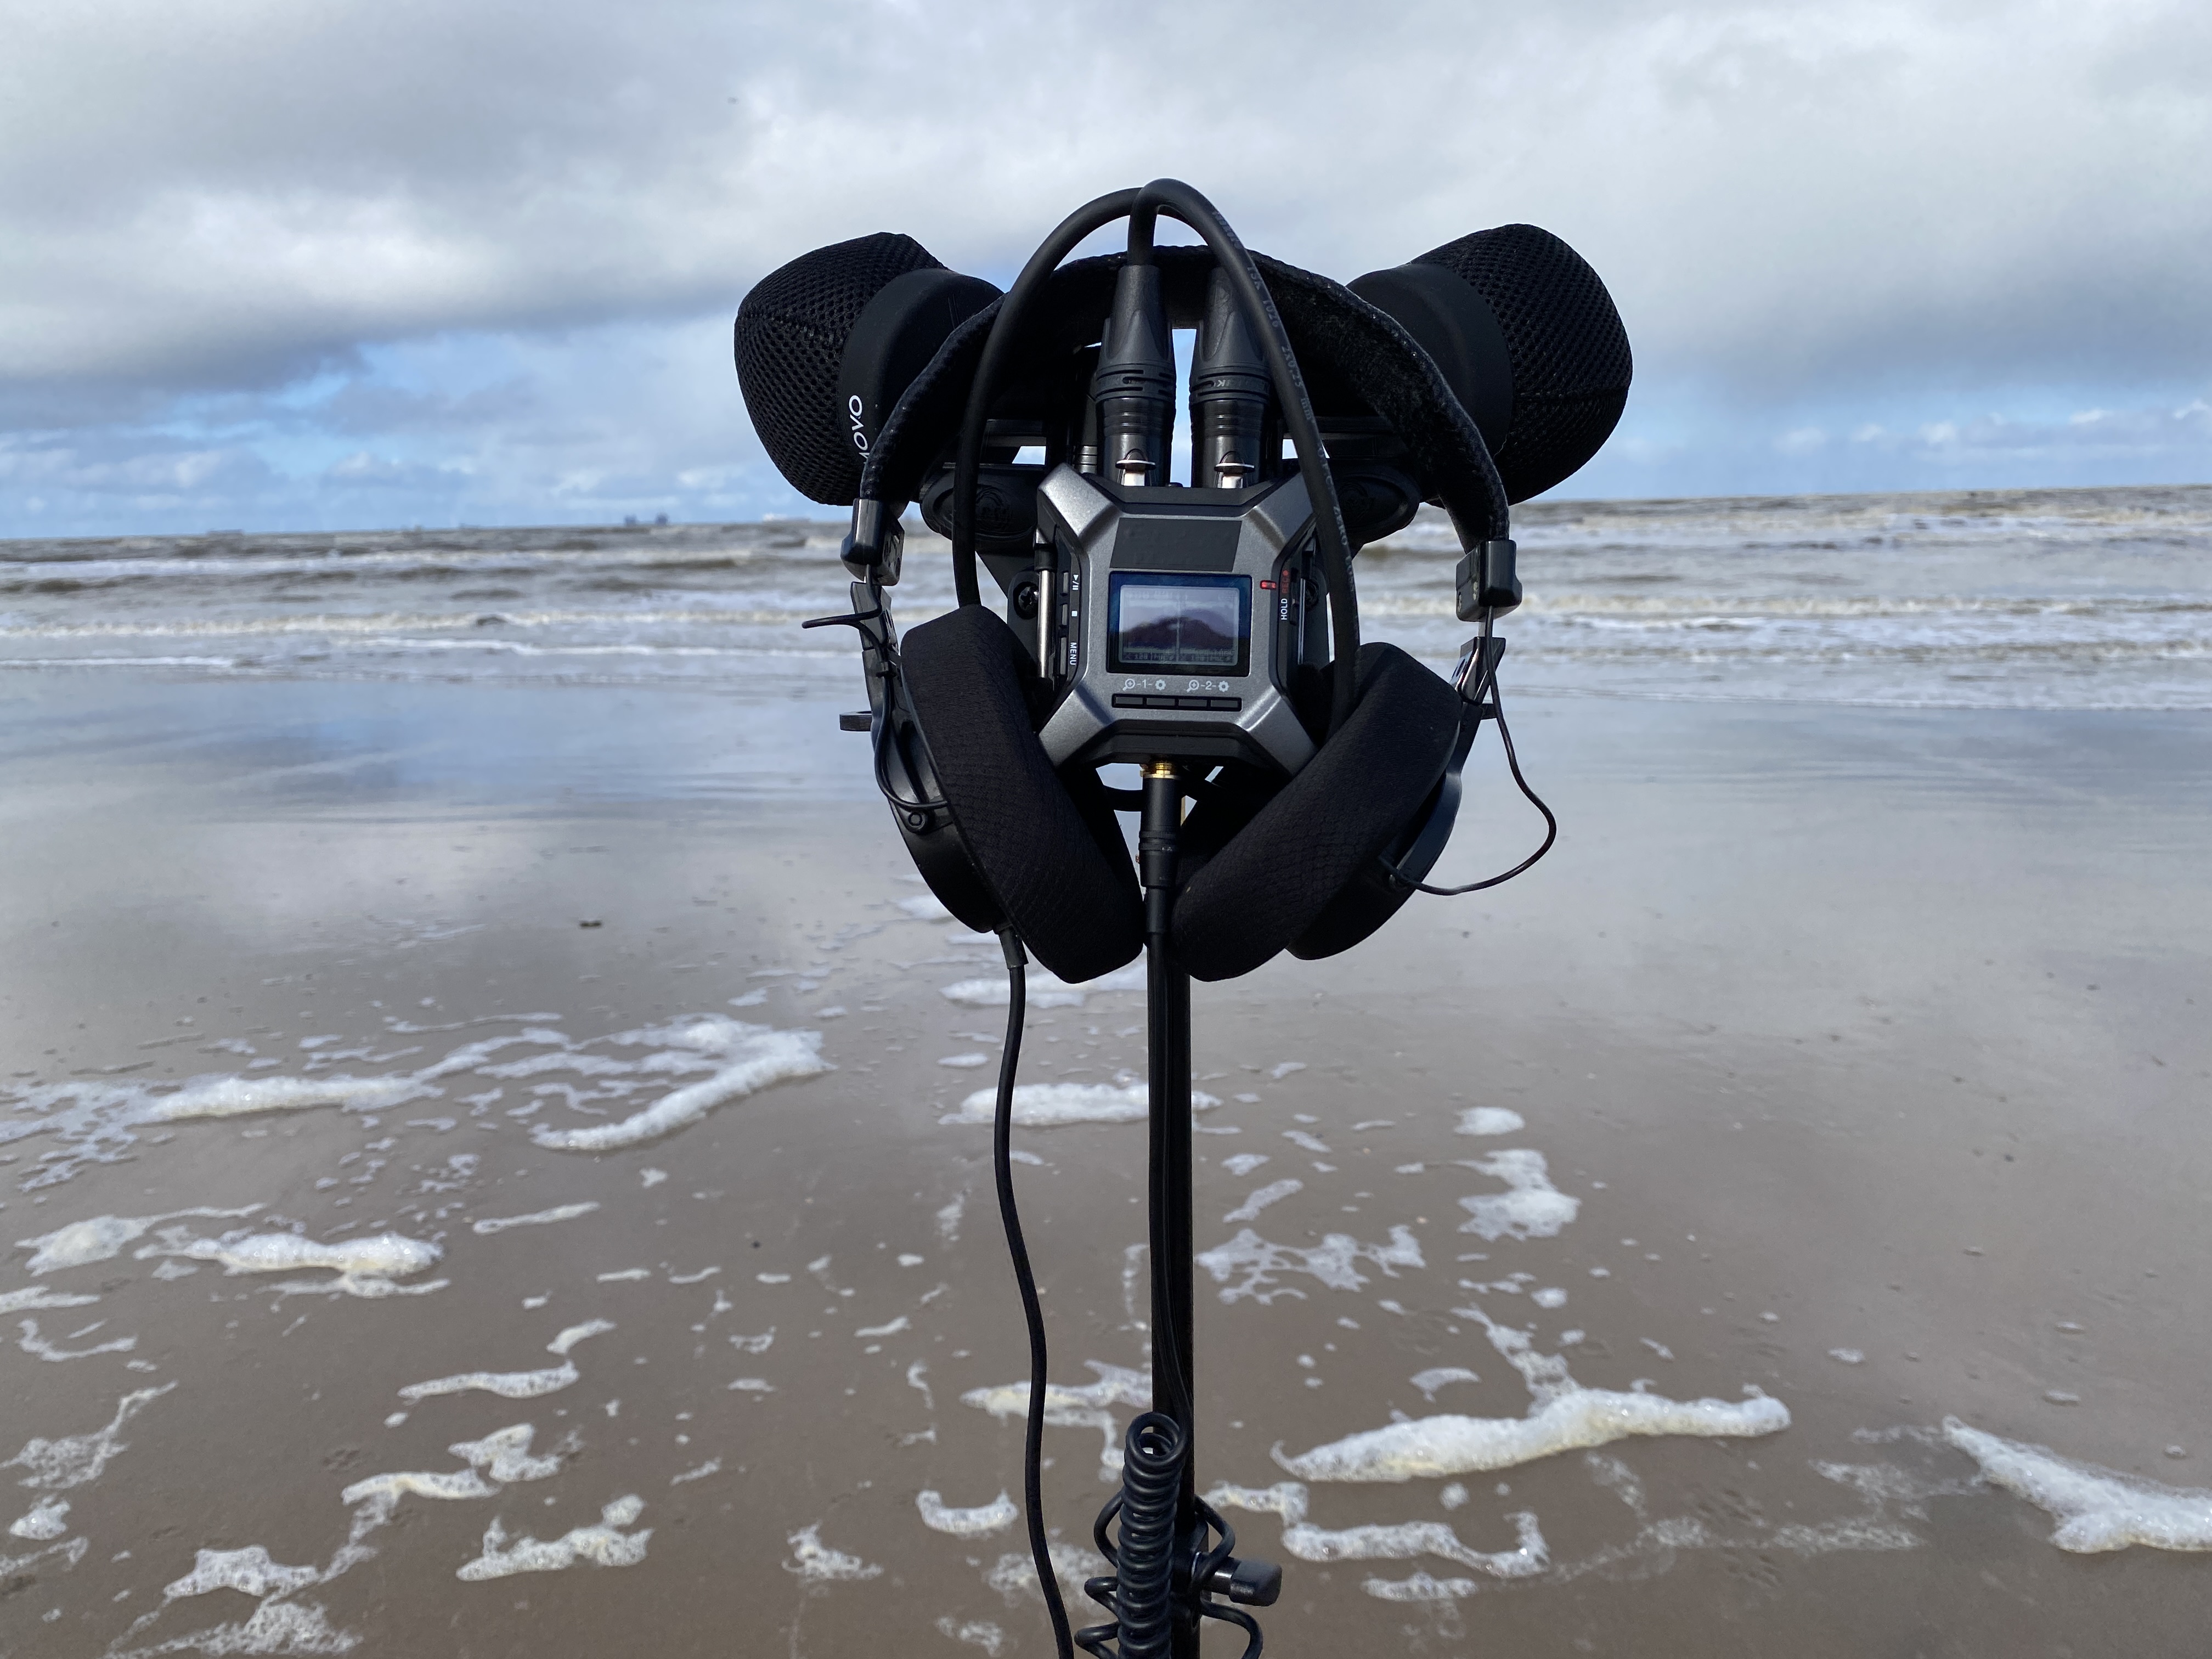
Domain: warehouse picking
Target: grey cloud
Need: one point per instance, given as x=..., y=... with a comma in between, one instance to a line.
x=587, y=427
x=226, y=193
x=1966, y=448
x=212, y=205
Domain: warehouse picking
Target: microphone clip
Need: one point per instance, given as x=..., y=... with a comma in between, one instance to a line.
x=1477, y=673
x=874, y=546
x=1487, y=581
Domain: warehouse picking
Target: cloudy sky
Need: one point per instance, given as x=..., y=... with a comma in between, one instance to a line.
x=270, y=264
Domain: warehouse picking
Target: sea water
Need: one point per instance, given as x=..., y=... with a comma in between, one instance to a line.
x=2096, y=599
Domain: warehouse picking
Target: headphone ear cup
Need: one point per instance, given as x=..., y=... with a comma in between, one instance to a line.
x=1053, y=859
x=1278, y=876
x=1379, y=891
x=941, y=858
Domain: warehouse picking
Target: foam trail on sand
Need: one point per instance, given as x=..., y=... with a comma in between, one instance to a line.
x=442, y=1484
x=1083, y=1407
x=1490, y=1121
x=35, y=1297
x=380, y=1255
x=500, y=1458
x=606, y=1544
x=816, y=1562
x=59, y=1465
x=504, y=1455
x=508, y=1385
x=1044, y=990
x=235, y=1096
x=1437, y=1446
x=975, y=1634
x=751, y=1058
x=274, y=1627
x=99, y=1238
x=1332, y=1261
x=2097, y=1510
x=1563, y=1416
x=97, y=1122
x=1438, y=1376
x=44, y=1521
x=94, y=1121
x=32, y=1343
x=1015, y=1577
x=515, y=1385
x=1402, y=1541
x=1530, y=1207
x=994, y=1516
x=1054, y=1105
x=1273, y=1192
x=249, y=1571
x=500, y=1223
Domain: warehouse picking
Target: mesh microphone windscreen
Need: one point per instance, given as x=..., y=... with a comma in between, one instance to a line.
x=1570, y=352
x=791, y=336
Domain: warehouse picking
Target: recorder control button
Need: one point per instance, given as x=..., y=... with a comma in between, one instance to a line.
x=1209, y=705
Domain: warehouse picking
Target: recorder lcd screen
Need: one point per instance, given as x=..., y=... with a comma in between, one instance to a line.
x=1183, y=623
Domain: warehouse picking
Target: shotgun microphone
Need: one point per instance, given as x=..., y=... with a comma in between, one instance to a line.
x=826, y=344
x=1527, y=339
x=1521, y=327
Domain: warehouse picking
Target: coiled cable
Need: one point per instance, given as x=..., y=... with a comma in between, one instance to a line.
x=1151, y=1482
x=1142, y=1590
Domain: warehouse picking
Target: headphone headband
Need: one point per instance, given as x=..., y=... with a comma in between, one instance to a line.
x=1361, y=358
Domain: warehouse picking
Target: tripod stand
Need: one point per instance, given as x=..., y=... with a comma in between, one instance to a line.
x=1175, y=1554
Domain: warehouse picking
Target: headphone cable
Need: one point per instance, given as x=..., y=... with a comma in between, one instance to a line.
x=1002, y=1170
x=1489, y=683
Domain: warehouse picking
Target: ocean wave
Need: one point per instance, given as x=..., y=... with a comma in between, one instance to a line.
x=1703, y=606
x=89, y=570
x=388, y=622
x=2061, y=599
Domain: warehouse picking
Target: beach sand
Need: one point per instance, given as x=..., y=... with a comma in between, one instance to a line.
x=1869, y=1045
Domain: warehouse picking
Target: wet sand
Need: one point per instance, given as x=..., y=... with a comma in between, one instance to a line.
x=1867, y=1044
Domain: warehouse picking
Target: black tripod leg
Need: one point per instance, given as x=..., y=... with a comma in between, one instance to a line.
x=1168, y=1053
x=1196, y=1568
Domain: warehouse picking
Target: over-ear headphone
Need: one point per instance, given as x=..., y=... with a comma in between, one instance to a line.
x=878, y=378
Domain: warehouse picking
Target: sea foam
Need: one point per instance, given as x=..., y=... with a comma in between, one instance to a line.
x=1056, y=1105
x=1255, y=1264
x=97, y=1122
x=1403, y=1541
x=1573, y=1419
x=1530, y=1207
x=939, y=1516
x=1044, y=990
x=748, y=1059
x=2097, y=1510
x=605, y=1545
